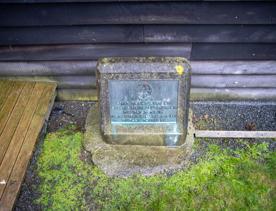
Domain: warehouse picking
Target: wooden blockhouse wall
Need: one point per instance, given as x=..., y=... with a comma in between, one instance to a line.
x=231, y=44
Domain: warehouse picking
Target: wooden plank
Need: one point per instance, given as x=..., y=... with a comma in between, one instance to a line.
x=48, y=68
x=242, y=51
x=10, y=102
x=136, y=34
x=197, y=94
x=91, y=52
x=198, y=81
x=14, y=118
x=71, y=34
x=183, y=12
x=62, y=1
x=19, y=135
x=202, y=51
x=5, y=87
x=210, y=33
x=232, y=67
x=17, y=175
x=228, y=94
x=80, y=82
x=234, y=134
x=234, y=81
x=72, y=68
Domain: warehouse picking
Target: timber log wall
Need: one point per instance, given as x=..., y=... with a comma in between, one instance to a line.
x=231, y=44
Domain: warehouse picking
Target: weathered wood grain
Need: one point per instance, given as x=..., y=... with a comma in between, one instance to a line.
x=230, y=51
x=228, y=94
x=71, y=34
x=197, y=94
x=233, y=67
x=16, y=176
x=5, y=88
x=9, y=104
x=19, y=135
x=48, y=68
x=62, y=1
x=183, y=12
x=198, y=81
x=80, y=82
x=137, y=34
x=210, y=33
x=74, y=68
x=234, y=81
x=91, y=52
x=200, y=51
x=14, y=119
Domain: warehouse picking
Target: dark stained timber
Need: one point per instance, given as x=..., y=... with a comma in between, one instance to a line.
x=91, y=52
x=182, y=12
x=79, y=68
x=137, y=34
x=240, y=51
x=234, y=81
x=210, y=33
x=200, y=51
x=71, y=34
x=48, y=68
x=62, y=1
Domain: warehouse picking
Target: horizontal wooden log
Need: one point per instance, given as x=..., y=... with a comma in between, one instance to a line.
x=48, y=68
x=71, y=35
x=197, y=94
x=91, y=52
x=71, y=82
x=63, y=68
x=234, y=81
x=228, y=94
x=64, y=1
x=227, y=51
x=182, y=12
x=198, y=81
x=232, y=67
x=200, y=51
x=136, y=34
x=210, y=33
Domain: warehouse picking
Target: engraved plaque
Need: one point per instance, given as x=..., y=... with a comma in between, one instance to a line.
x=143, y=101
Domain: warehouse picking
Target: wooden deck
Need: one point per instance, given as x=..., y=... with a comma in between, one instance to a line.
x=24, y=107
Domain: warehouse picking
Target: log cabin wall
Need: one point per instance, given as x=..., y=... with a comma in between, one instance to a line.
x=231, y=44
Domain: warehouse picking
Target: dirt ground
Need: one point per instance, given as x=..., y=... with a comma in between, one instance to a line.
x=63, y=114
x=67, y=113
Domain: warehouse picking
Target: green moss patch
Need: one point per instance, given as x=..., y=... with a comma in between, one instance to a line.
x=237, y=180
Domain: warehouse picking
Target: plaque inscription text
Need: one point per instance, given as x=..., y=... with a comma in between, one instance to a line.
x=143, y=101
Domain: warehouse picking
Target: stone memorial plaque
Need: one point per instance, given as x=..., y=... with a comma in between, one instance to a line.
x=147, y=102
x=144, y=100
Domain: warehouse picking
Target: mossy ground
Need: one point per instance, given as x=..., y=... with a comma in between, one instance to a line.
x=242, y=179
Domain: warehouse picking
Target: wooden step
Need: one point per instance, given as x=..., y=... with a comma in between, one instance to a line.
x=24, y=107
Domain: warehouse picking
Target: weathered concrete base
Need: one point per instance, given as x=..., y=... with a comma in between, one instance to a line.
x=125, y=160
